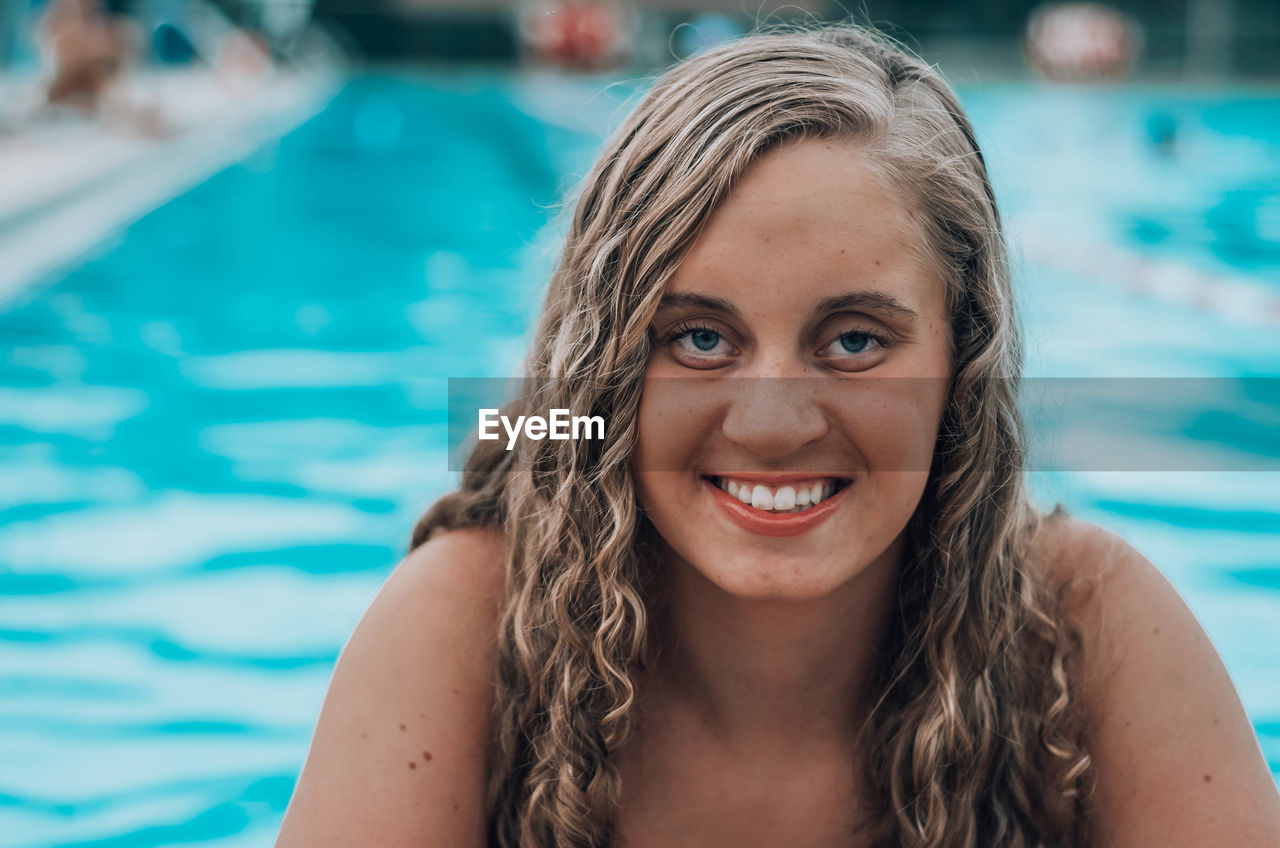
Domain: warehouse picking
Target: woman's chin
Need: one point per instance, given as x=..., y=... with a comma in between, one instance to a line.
x=771, y=579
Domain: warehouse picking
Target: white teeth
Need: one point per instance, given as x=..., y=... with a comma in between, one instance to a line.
x=761, y=498
x=784, y=499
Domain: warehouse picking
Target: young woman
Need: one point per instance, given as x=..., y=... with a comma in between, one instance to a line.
x=798, y=596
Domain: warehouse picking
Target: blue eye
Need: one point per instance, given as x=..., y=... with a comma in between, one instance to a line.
x=699, y=346
x=704, y=340
x=854, y=350
x=854, y=341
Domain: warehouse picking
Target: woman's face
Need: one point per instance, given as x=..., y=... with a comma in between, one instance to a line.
x=801, y=357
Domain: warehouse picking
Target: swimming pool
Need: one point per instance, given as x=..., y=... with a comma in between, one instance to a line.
x=217, y=430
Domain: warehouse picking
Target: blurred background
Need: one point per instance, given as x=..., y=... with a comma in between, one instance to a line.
x=245, y=243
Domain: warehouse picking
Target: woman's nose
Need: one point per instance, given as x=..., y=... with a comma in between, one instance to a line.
x=774, y=416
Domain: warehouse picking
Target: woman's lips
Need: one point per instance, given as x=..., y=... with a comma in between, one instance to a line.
x=765, y=523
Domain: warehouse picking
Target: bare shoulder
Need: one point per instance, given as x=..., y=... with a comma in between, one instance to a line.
x=398, y=756
x=1177, y=762
x=1072, y=551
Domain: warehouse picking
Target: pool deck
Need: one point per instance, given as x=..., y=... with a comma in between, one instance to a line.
x=67, y=183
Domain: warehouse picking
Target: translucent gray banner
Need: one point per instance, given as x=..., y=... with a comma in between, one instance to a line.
x=854, y=423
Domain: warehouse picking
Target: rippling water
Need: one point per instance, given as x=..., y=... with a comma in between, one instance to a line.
x=215, y=433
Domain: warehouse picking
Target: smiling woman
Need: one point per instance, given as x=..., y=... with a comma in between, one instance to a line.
x=799, y=594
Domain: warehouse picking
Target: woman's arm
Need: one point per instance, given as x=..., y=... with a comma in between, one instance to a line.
x=398, y=755
x=1177, y=760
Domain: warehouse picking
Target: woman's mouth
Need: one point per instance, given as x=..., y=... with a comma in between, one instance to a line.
x=783, y=506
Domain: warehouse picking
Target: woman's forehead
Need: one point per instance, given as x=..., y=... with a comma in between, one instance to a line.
x=809, y=217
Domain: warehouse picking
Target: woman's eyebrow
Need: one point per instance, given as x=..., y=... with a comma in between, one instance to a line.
x=875, y=301
x=677, y=300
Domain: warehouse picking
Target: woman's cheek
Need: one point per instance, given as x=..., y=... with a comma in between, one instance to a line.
x=676, y=416
x=893, y=422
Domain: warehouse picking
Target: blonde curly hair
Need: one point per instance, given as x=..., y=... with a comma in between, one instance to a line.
x=975, y=738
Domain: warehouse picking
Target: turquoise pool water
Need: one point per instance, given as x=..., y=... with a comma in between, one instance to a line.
x=217, y=431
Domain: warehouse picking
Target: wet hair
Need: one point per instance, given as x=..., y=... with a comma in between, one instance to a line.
x=975, y=738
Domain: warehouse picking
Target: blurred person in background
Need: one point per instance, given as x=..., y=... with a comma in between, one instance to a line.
x=1081, y=42
x=91, y=46
x=88, y=44
x=575, y=35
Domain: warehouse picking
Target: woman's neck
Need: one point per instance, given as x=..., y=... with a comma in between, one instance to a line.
x=754, y=669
